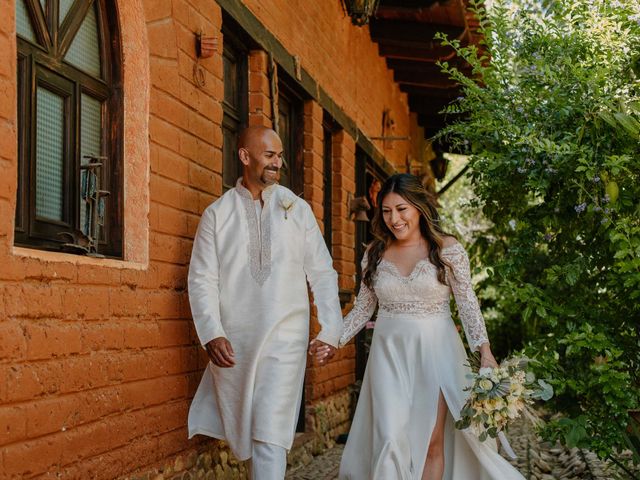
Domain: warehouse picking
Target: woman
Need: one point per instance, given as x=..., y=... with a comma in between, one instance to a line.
x=413, y=387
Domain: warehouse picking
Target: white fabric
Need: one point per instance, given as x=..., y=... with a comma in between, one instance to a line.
x=252, y=289
x=415, y=353
x=268, y=461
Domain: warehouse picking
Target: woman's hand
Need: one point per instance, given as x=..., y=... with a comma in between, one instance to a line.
x=487, y=360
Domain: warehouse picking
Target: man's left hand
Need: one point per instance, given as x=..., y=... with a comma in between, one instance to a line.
x=321, y=352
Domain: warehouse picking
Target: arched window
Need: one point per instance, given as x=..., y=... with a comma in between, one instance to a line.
x=70, y=126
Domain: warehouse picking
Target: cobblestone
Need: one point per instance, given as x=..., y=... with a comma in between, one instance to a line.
x=537, y=460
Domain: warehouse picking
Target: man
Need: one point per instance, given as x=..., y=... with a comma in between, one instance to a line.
x=254, y=251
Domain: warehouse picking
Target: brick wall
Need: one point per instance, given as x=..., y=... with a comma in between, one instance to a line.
x=98, y=358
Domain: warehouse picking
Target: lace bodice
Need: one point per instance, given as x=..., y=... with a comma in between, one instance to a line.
x=420, y=293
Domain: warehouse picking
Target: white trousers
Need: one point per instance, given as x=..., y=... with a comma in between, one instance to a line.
x=268, y=461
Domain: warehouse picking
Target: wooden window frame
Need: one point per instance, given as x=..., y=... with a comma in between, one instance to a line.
x=329, y=129
x=43, y=65
x=295, y=138
x=234, y=117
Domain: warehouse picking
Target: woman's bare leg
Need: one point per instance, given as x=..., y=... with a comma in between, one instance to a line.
x=434, y=466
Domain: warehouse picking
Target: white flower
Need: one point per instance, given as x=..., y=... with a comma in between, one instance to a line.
x=287, y=204
x=512, y=224
x=485, y=371
x=485, y=384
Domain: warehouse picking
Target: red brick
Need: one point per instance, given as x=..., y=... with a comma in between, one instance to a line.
x=201, y=178
x=169, y=108
x=13, y=344
x=157, y=391
x=50, y=415
x=34, y=300
x=188, y=146
x=163, y=133
x=46, y=340
x=127, y=302
x=102, y=336
x=170, y=275
x=23, y=460
x=164, y=75
x=88, y=303
x=172, y=221
x=140, y=334
x=94, y=275
x=13, y=425
x=162, y=38
x=166, y=191
x=204, y=129
x=165, y=304
x=170, y=249
x=175, y=332
x=134, y=366
x=156, y=9
x=24, y=381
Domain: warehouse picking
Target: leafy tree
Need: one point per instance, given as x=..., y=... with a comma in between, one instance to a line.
x=550, y=118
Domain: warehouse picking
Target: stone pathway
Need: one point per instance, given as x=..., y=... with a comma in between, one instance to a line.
x=536, y=460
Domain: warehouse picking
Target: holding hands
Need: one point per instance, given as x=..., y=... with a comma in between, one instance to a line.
x=321, y=352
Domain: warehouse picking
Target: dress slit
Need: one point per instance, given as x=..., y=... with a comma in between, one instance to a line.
x=448, y=416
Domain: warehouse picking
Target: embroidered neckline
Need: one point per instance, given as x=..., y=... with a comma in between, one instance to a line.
x=418, y=268
x=259, y=247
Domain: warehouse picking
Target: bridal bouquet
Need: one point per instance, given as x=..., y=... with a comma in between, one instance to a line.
x=499, y=395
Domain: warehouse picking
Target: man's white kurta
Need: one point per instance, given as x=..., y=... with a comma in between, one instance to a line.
x=248, y=282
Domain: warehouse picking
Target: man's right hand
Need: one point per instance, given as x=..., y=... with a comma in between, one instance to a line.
x=220, y=352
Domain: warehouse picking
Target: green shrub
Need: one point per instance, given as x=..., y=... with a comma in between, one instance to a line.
x=550, y=118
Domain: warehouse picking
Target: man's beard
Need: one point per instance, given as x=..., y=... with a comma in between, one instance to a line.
x=270, y=179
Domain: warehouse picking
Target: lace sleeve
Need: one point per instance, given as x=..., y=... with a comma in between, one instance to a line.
x=466, y=300
x=360, y=314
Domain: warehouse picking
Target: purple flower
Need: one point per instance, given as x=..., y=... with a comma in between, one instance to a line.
x=547, y=237
x=522, y=170
x=597, y=208
x=596, y=179
x=580, y=208
x=606, y=199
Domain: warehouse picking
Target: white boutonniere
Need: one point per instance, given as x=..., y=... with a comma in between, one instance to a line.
x=287, y=204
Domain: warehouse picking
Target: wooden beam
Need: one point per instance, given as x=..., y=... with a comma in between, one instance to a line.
x=423, y=53
x=445, y=94
x=446, y=13
x=422, y=68
x=413, y=80
x=407, y=3
x=418, y=33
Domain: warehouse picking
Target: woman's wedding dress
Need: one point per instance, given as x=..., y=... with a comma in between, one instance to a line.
x=415, y=353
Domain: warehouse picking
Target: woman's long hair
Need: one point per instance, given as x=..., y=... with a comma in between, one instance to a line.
x=409, y=188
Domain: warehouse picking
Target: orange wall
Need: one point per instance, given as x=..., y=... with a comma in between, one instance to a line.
x=343, y=60
x=98, y=358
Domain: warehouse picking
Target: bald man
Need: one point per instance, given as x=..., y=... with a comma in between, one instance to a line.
x=255, y=249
